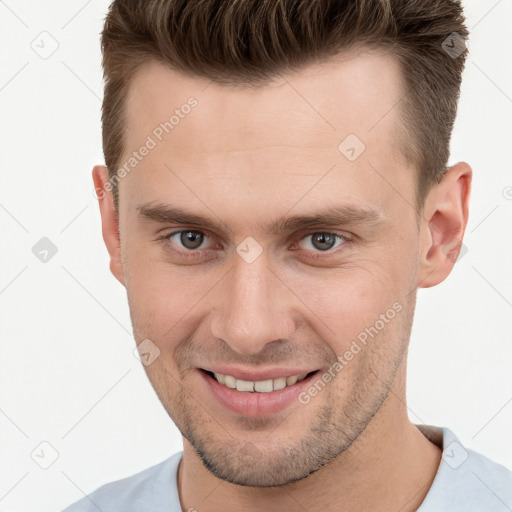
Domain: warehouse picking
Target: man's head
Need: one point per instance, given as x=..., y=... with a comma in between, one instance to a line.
x=247, y=43
x=284, y=194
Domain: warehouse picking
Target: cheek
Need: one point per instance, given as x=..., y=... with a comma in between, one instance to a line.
x=164, y=298
x=169, y=301
x=342, y=303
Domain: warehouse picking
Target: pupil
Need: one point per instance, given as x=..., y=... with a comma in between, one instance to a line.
x=191, y=239
x=323, y=241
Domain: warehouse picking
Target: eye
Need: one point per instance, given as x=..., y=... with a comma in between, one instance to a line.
x=190, y=240
x=322, y=241
x=192, y=243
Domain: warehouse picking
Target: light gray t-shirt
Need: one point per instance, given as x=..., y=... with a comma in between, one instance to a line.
x=466, y=481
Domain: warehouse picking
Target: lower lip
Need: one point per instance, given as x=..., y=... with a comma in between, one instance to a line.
x=252, y=404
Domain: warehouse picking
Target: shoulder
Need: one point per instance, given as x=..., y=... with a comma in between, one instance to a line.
x=467, y=480
x=154, y=489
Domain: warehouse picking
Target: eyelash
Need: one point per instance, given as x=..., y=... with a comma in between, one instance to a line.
x=196, y=253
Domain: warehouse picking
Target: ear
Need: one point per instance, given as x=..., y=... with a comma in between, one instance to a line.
x=443, y=225
x=109, y=220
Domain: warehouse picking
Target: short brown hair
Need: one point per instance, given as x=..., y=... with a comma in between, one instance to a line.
x=249, y=42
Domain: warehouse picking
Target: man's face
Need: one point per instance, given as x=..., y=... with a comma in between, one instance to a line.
x=252, y=296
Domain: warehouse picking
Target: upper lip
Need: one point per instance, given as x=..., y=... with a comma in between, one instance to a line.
x=250, y=374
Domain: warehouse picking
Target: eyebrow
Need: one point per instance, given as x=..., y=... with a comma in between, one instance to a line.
x=340, y=215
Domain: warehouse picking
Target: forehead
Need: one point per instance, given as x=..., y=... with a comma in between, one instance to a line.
x=349, y=93
x=278, y=136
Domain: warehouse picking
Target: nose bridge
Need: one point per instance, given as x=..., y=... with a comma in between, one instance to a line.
x=249, y=314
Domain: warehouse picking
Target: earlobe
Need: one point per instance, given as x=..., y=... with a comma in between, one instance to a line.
x=443, y=225
x=109, y=220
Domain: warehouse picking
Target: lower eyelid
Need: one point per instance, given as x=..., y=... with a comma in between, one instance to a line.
x=331, y=253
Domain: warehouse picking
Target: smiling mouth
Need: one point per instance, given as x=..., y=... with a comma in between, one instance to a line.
x=261, y=386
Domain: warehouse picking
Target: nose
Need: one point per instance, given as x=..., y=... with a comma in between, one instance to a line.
x=254, y=307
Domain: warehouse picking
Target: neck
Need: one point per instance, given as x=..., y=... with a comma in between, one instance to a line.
x=390, y=466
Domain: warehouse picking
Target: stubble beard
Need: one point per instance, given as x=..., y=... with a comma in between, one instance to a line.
x=332, y=431
x=240, y=461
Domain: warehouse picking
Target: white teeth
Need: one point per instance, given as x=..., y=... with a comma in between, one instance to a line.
x=280, y=383
x=244, y=385
x=264, y=386
x=291, y=380
x=261, y=386
x=229, y=381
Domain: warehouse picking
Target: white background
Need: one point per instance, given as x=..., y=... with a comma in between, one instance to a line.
x=68, y=375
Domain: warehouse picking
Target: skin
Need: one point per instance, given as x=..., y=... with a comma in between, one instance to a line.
x=246, y=158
